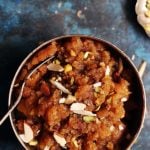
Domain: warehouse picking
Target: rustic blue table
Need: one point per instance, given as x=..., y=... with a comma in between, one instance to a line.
x=23, y=24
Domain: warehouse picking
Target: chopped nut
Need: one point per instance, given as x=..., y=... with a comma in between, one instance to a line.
x=102, y=118
x=112, y=128
x=53, y=78
x=33, y=143
x=62, y=100
x=110, y=145
x=102, y=92
x=70, y=99
x=95, y=94
x=72, y=53
x=72, y=80
x=57, y=62
x=59, y=79
x=60, y=140
x=124, y=99
x=68, y=68
x=97, y=121
x=109, y=100
x=102, y=64
x=47, y=147
x=55, y=67
x=121, y=127
x=75, y=142
x=97, y=89
x=88, y=119
x=97, y=84
x=107, y=72
x=98, y=108
x=86, y=54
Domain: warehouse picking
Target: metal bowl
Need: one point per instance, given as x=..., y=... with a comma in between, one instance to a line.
x=135, y=106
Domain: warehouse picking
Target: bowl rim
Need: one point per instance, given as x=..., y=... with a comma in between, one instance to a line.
x=115, y=48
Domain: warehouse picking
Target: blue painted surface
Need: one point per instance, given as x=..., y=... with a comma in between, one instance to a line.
x=23, y=24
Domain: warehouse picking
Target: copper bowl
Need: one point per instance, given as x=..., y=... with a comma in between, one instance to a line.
x=135, y=107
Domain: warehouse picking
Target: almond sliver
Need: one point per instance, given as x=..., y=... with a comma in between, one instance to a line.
x=107, y=71
x=60, y=140
x=28, y=133
x=47, y=147
x=55, y=67
x=78, y=108
x=97, y=84
x=60, y=86
x=84, y=112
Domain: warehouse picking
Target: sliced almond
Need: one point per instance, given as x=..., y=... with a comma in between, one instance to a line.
x=62, y=100
x=98, y=108
x=121, y=127
x=47, y=147
x=75, y=142
x=60, y=86
x=60, y=140
x=124, y=99
x=28, y=133
x=72, y=53
x=107, y=71
x=70, y=99
x=72, y=80
x=97, y=84
x=112, y=128
x=78, y=108
x=84, y=112
x=55, y=67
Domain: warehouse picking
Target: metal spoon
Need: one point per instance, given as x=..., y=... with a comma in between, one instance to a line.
x=21, y=91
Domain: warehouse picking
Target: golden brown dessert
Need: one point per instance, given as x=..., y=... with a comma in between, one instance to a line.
x=75, y=101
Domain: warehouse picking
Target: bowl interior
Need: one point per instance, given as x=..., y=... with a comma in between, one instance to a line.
x=135, y=107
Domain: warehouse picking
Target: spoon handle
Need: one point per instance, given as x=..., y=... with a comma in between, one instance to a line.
x=13, y=106
x=21, y=91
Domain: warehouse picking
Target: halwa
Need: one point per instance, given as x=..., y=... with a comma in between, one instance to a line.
x=76, y=100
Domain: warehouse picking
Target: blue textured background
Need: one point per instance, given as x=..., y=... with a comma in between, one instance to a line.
x=23, y=24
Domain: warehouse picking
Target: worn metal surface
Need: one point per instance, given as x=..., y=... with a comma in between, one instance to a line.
x=23, y=24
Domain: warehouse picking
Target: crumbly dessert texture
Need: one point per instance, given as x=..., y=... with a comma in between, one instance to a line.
x=76, y=100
